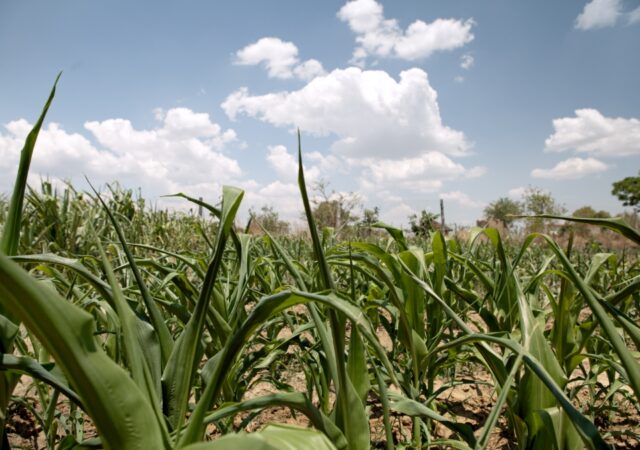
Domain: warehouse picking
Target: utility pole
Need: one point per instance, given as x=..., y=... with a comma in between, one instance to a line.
x=442, y=228
x=200, y=208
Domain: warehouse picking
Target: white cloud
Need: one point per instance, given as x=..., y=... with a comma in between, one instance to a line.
x=461, y=199
x=286, y=165
x=183, y=153
x=599, y=14
x=458, y=79
x=571, y=169
x=424, y=173
x=282, y=162
x=633, y=17
x=309, y=69
x=517, y=193
x=280, y=58
x=396, y=214
x=382, y=37
x=394, y=170
x=284, y=194
x=466, y=61
x=284, y=197
x=388, y=134
x=371, y=114
x=591, y=132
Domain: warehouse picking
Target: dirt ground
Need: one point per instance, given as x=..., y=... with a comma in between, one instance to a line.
x=469, y=403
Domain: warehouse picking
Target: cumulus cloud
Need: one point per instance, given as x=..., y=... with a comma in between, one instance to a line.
x=571, y=169
x=285, y=164
x=517, y=193
x=184, y=152
x=591, y=132
x=282, y=162
x=633, y=17
x=461, y=199
x=466, y=61
x=280, y=59
x=396, y=214
x=381, y=37
x=309, y=69
x=426, y=173
x=372, y=114
x=284, y=197
x=394, y=170
x=387, y=134
x=284, y=194
x=599, y=14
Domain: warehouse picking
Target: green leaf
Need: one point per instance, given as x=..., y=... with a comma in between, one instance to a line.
x=582, y=424
x=630, y=364
x=272, y=437
x=396, y=234
x=357, y=366
x=293, y=400
x=31, y=367
x=264, y=310
x=11, y=230
x=414, y=409
x=616, y=224
x=179, y=372
x=120, y=411
x=157, y=319
x=140, y=344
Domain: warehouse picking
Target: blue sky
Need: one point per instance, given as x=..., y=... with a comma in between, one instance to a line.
x=402, y=102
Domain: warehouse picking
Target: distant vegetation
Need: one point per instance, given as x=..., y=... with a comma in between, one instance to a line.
x=628, y=191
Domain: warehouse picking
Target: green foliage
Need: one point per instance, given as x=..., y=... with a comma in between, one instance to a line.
x=589, y=212
x=334, y=209
x=503, y=210
x=423, y=225
x=269, y=219
x=536, y=202
x=628, y=191
x=585, y=230
x=370, y=216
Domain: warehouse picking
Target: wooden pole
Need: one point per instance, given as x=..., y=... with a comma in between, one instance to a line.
x=442, y=225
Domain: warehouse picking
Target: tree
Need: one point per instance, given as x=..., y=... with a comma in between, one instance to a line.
x=370, y=216
x=589, y=212
x=4, y=204
x=270, y=220
x=628, y=191
x=423, y=225
x=536, y=202
x=503, y=210
x=334, y=209
x=582, y=229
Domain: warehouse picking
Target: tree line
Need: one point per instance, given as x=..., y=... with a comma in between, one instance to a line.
x=338, y=210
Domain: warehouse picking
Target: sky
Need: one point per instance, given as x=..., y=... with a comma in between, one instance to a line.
x=401, y=103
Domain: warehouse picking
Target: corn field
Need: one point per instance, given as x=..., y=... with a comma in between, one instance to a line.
x=125, y=327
